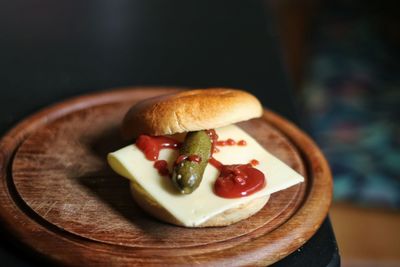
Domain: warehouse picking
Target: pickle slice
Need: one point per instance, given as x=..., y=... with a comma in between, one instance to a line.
x=192, y=161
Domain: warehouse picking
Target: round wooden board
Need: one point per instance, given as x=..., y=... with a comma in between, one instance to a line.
x=58, y=195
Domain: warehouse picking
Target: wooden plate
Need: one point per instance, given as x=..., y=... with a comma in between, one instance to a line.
x=58, y=196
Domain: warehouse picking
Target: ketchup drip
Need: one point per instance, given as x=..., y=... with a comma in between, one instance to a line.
x=218, y=165
x=162, y=167
x=151, y=145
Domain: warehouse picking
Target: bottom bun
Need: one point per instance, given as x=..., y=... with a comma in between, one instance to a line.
x=230, y=216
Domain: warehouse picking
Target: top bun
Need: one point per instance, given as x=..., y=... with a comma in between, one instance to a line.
x=192, y=110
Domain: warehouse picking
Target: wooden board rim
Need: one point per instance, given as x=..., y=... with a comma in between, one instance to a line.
x=311, y=214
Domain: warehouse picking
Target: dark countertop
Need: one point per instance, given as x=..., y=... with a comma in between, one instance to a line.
x=51, y=50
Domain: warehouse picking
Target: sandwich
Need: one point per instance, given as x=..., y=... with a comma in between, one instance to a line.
x=191, y=166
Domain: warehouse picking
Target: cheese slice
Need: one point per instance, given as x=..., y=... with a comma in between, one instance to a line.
x=201, y=205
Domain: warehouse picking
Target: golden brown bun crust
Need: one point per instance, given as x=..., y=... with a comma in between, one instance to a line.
x=233, y=215
x=192, y=110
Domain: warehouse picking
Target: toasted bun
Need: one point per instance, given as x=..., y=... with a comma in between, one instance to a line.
x=190, y=111
x=233, y=215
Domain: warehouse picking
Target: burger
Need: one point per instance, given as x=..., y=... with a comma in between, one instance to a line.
x=190, y=165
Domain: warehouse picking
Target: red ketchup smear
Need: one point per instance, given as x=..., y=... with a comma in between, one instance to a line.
x=238, y=181
x=151, y=145
x=162, y=167
x=235, y=180
x=218, y=165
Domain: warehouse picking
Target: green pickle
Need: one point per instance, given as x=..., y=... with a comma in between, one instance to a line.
x=188, y=174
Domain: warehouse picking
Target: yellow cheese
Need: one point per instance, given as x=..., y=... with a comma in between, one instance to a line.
x=199, y=206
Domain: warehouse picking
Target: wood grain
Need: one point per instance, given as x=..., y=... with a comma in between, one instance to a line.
x=60, y=198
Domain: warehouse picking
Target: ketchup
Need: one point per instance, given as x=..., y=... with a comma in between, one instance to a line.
x=193, y=158
x=238, y=181
x=254, y=162
x=230, y=142
x=235, y=180
x=151, y=145
x=214, y=139
x=180, y=158
x=162, y=167
x=242, y=143
x=218, y=165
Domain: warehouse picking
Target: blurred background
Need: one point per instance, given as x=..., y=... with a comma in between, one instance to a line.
x=344, y=60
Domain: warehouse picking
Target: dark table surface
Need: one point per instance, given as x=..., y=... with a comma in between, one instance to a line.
x=51, y=50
